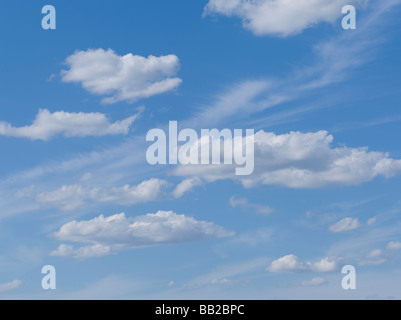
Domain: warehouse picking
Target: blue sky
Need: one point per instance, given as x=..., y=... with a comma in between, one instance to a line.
x=78, y=101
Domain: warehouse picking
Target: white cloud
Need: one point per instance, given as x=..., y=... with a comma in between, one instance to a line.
x=315, y=282
x=119, y=231
x=94, y=251
x=289, y=263
x=70, y=197
x=10, y=285
x=345, y=225
x=48, y=125
x=324, y=265
x=292, y=263
x=373, y=258
x=186, y=186
x=122, y=78
x=303, y=160
x=243, y=203
x=279, y=17
x=394, y=245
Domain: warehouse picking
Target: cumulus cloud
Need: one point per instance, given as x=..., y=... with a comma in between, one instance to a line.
x=10, y=285
x=244, y=204
x=71, y=197
x=186, y=186
x=163, y=227
x=291, y=263
x=122, y=78
x=303, y=160
x=279, y=17
x=345, y=225
x=48, y=125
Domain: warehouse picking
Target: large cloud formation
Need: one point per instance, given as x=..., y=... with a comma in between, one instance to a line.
x=303, y=160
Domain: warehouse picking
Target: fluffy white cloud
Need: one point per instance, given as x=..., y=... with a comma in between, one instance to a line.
x=243, y=203
x=94, y=251
x=70, y=197
x=289, y=263
x=324, y=265
x=186, y=186
x=303, y=160
x=148, y=230
x=279, y=17
x=122, y=78
x=315, y=282
x=292, y=263
x=47, y=125
x=10, y=285
x=345, y=225
x=394, y=245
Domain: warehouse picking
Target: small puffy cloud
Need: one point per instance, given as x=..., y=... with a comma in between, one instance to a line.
x=122, y=78
x=291, y=263
x=10, y=285
x=186, y=186
x=345, y=225
x=279, y=17
x=244, y=204
x=71, y=197
x=394, y=245
x=315, y=282
x=324, y=265
x=303, y=160
x=94, y=251
x=118, y=231
x=48, y=125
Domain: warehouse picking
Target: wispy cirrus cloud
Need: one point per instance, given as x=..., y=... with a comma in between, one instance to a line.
x=10, y=285
x=345, y=225
x=334, y=60
x=70, y=197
